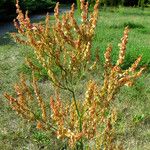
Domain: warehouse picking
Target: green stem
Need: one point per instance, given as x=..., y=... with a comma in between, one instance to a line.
x=79, y=117
x=78, y=5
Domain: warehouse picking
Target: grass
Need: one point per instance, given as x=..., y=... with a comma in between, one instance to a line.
x=110, y=30
x=133, y=103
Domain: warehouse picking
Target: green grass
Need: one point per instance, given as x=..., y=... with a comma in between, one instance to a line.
x=133, y=103
x=110, y=30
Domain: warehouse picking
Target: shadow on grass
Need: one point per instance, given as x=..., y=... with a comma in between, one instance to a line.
x=6, y=39
x=129, y=24
x=133, y=25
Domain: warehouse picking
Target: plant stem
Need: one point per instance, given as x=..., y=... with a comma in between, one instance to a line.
x=78, y=5
x=79, y=117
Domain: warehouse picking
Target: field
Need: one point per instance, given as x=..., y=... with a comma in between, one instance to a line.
x=133, y=103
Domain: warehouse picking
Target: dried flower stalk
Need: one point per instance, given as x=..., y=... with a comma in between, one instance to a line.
x=65, y=46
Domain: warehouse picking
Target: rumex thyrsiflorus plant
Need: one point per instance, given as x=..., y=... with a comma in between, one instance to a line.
x=63, y=48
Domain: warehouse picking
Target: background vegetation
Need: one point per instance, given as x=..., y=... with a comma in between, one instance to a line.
x=7, y=7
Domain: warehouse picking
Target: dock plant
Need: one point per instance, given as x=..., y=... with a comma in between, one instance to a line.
x=64, y=49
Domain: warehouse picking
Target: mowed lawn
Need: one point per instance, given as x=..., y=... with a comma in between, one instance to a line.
x=133, y=103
